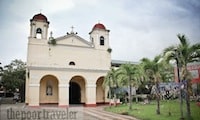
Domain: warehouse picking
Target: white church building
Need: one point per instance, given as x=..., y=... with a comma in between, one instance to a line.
x=67, y=69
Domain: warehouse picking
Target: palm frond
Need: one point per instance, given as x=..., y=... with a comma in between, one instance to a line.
x=183, y=40
x=169, y=49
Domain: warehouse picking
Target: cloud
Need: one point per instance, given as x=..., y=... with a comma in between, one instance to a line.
x=147, y=28
x=55, y=6
x=45, y=6
x=138, y=28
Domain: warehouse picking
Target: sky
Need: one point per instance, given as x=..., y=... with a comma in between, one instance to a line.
x=138, y=28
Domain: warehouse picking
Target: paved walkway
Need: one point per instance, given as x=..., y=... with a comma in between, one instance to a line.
x=97, y=113
x=22, y=112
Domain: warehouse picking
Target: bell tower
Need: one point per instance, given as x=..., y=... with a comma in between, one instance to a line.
x=39, y=26
x=99, y=36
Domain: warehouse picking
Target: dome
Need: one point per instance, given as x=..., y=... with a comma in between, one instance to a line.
x=40, y=17
x=99, y=26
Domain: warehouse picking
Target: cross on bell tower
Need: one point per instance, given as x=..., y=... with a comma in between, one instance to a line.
x=40, y=11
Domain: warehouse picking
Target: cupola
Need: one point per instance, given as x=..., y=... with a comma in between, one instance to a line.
x=99, y=26
x=40, y=17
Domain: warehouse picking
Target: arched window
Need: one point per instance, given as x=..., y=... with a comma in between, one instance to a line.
x=39, y=33
x=101, y=40
x=71, y=63
x=49, y=89
x=39, y=30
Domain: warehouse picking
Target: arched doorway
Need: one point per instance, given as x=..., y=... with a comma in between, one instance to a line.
x=48, y=89
x=77, y=90
x=100, y=93
x=74, y=93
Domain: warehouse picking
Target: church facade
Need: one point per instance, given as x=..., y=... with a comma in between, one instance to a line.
x=67, y=69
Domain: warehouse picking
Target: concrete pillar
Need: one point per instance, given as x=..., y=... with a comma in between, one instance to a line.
x=33, y=31
x=63, y=95
x=44, y=32
x=27, y=89
x=34, y=92
x=90, y=95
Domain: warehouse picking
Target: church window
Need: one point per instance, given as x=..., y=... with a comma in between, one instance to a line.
x=39, y=33
x=49, y=89
x=39, y=30
x=101, y=40
x=71, y=63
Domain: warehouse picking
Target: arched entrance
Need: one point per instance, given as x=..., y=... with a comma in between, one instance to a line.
x=77, y=90
x=100, y=93
x=74, y=93
x=48, y=89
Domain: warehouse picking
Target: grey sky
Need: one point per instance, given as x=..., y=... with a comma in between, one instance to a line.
x=139, y=28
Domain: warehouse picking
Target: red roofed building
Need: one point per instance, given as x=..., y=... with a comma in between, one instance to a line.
x=194, y=69
x=66, y=69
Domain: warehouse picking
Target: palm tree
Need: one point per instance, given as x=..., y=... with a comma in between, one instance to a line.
x=141, y=75
x=187, y=53
x=167, y=72
x=111, y=79
x=127, y=73
x=152, y=69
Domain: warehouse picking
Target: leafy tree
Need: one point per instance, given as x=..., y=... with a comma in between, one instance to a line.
x=13, y=76
x=111, y=79
x=143, y=79
x=1, y=68
x=152, y=69
x=167, y=71
x=128, y=73
x=1, y=72
x=184, y=53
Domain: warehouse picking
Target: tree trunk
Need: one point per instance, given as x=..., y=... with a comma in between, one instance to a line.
x=187, y=93
x=188, y=101
x=115, y=100
x=130, y=96
x=109, y=95
x=158, y=98
x=181, y=91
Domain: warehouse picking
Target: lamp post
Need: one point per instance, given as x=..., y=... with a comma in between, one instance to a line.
x=180, y=82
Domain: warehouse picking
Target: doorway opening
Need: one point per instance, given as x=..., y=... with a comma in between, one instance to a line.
x=74, y=93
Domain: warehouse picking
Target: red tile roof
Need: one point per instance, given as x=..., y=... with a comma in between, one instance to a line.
x=40, y=17
x=99, y=26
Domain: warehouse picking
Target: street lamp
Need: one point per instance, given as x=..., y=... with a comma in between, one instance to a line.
x=180, y=82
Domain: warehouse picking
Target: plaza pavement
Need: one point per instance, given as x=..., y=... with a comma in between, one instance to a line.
x=20, y=111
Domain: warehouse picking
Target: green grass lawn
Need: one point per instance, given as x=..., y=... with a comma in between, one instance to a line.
x=148, y=111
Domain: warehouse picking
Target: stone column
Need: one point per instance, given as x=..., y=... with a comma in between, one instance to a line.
x=34, y=94
x=63, y=95
x=44, y=32
x=27, y=89
x=33, y=31
x=90, y=95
